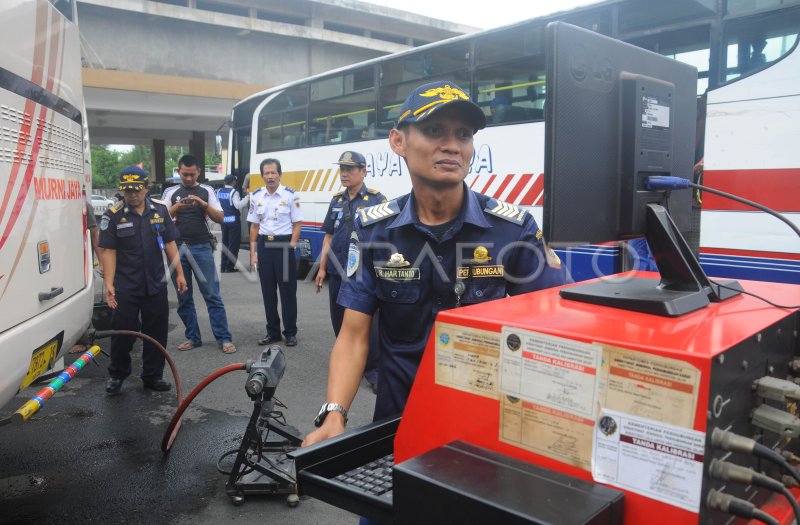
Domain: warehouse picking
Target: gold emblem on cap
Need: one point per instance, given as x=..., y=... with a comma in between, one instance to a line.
x=130, y=177
x=481, y=254
x=347, y=156
x=397, y=261
x=446, y=93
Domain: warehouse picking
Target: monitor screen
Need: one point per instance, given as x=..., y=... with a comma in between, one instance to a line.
x=615, y=116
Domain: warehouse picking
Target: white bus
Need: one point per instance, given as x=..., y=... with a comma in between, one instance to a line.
x=46, y=293
x=748, y=99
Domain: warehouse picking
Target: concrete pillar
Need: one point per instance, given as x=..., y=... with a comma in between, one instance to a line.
x=158, y=161
x=197, y=147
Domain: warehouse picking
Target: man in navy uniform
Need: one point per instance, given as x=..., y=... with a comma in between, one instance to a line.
x=232, y=205
x=133, y=234
x=338, y=227
x=275, y=221
x=441, y=246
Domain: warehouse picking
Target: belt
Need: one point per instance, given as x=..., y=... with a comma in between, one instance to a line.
x=275, y=238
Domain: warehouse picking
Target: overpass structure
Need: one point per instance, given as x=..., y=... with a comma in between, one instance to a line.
x=168, y=72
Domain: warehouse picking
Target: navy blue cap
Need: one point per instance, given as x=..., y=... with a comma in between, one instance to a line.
x=229, y=178
x=430, y=98
x=132, y=178
x=352, y=158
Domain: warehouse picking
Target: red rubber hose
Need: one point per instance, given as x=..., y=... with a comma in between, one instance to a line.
x=174, y=425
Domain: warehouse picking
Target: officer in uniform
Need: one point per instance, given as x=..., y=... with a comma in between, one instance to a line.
x=133, y=234
x=338, y=227
x=439, y=247
x=275, y=221
x=232, y=205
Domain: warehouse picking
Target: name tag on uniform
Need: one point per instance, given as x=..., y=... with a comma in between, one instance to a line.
x=157, y=220
x=229, y=218
x=123, y=225
x=397, y=274
x=465, y=272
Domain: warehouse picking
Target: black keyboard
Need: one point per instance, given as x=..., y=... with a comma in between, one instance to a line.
x=352, y=471
x=374, y=478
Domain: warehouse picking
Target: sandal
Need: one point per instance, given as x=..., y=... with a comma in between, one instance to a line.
x=227, y=348
x=187, y=345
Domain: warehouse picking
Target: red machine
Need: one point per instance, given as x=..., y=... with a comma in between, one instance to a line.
x=609, y=395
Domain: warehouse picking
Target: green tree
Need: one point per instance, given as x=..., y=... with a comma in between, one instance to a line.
x=106, y=166
x=138, y=155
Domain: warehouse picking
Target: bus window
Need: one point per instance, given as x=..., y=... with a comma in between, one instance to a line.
x=426, y=64
x=597, y=20
x=352, y=82
x=689, y=45
x=754, y=42
x=341, y=119
x=392, y=97
x=637, y=15
x=282, y=122
x=508, y=45
x=512, y=92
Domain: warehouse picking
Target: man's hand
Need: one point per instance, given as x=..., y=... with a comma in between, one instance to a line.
x=253, y=261
x=111, y=299
x=320, y=278
x=180, y=283
x=331, y=427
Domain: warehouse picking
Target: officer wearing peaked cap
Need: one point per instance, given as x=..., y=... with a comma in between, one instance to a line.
x=338, y=228
x=133, y=234
x=441, y=246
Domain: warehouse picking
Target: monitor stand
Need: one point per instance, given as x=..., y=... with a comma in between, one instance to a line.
x=683, y=288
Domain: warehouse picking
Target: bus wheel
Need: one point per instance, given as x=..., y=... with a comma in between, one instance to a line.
x=303, y=267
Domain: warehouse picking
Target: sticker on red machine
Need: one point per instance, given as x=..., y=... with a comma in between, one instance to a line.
x=659, y=461
x=467, y=359
x=650, y=386
x=552, y=371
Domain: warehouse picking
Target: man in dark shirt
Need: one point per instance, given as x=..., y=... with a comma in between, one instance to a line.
x=133, y=235
x=189, y=205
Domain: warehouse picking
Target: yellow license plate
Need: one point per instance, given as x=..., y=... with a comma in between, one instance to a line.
x=42, y=359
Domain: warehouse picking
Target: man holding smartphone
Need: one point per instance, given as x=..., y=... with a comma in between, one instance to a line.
x=190, y=203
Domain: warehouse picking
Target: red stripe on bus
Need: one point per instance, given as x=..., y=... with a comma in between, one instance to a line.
x=750, y=253
x=24, y=136
x=491, y=180
x=536, y=189
x=474, y=181
x=774, y=188
x=523, y=180
x=502, y=187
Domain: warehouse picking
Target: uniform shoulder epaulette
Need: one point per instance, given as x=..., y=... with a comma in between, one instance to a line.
x=338, y=193
x=258, y=190
x=373, y=191
x=159, y=201
x=504, y=210
x=378, y=212
x=117, y=206
x=290, y=190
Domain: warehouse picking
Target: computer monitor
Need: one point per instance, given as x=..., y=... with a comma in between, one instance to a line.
x=616, y=115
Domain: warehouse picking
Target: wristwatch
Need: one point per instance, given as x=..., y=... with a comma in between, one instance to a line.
x=330, y=407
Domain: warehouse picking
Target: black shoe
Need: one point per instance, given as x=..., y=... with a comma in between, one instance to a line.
x=159, y=385
x=270, y=339
x=291, y=340
x=113, y=385
x=233, y=270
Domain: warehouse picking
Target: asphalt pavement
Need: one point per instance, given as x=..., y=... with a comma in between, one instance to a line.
x=89, y=457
